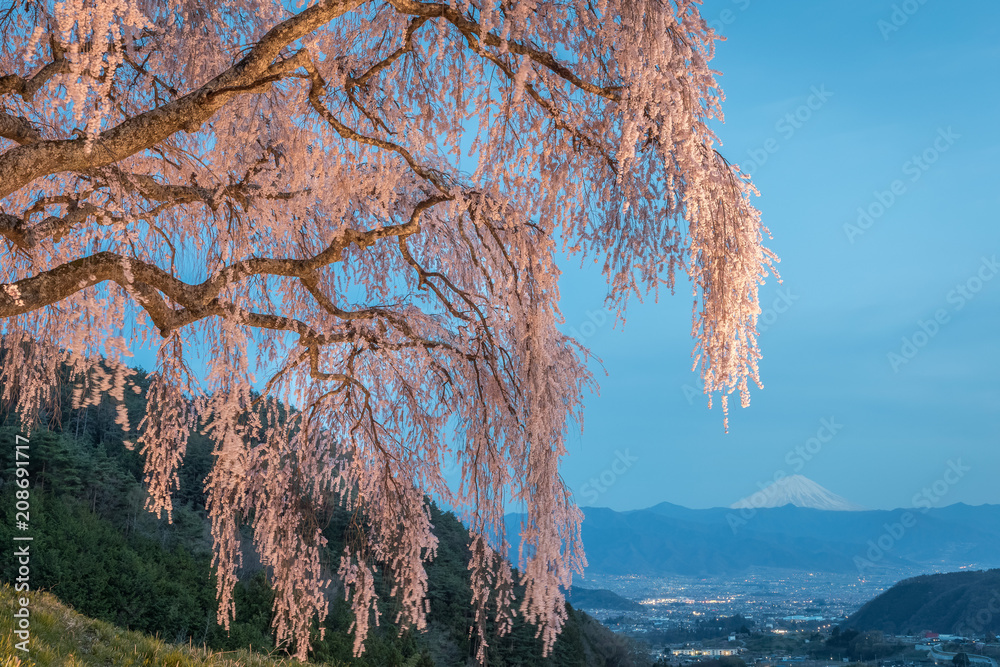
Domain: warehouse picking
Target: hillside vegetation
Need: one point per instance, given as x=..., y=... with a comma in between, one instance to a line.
x=600, y=598
x=60, y=637
x=97, y=550
x=963, y=603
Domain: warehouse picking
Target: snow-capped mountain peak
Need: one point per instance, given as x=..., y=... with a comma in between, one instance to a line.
x=799, y=491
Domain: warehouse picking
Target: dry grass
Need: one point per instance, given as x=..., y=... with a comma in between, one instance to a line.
x=60, y=637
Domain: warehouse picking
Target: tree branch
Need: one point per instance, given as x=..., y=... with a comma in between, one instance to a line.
x=17, y=128
x=198, y=301
x=27, y=87
x=544, y=58
x=21, y=165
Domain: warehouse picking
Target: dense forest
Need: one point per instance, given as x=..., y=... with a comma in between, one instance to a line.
x=98, y=550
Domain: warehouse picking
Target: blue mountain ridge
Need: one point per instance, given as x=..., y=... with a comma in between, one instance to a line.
x=671, y=539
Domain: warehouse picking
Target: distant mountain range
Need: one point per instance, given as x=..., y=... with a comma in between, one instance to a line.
x=961, y=603
x=799, y=491
x=671, y=539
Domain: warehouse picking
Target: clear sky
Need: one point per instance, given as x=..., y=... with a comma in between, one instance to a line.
x=895, y=109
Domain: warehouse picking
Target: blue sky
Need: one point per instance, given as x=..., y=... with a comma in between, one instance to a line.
x=884, y=96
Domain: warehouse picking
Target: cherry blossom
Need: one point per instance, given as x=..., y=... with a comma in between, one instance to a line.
x=357, y=207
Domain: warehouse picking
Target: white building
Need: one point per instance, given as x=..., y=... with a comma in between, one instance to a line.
x=706, y=652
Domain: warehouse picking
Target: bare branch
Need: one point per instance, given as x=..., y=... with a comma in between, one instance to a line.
x=544, y=58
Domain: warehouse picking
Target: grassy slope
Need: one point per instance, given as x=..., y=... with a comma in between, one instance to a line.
x=60, y=637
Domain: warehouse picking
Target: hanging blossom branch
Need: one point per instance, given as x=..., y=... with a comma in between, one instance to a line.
x=297, y=184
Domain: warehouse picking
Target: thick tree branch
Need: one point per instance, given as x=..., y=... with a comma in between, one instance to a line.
x=19, y=166
x=26, y=237
x=27, y=87
x=198, y=301
x=17, y=128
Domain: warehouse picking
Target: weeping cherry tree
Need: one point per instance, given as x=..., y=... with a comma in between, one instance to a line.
x=337, y=224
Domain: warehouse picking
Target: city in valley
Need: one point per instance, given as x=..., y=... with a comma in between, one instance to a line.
x=797, y=573
x=770, y=598
x=770, y=616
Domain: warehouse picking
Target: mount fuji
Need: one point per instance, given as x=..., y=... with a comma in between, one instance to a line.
x=797, y=525
x=799, y=491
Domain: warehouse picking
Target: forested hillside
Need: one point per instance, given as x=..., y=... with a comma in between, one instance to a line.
x=963, y=603
x=99, y=551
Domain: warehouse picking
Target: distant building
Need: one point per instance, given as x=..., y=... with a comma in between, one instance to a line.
x=707, y=652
